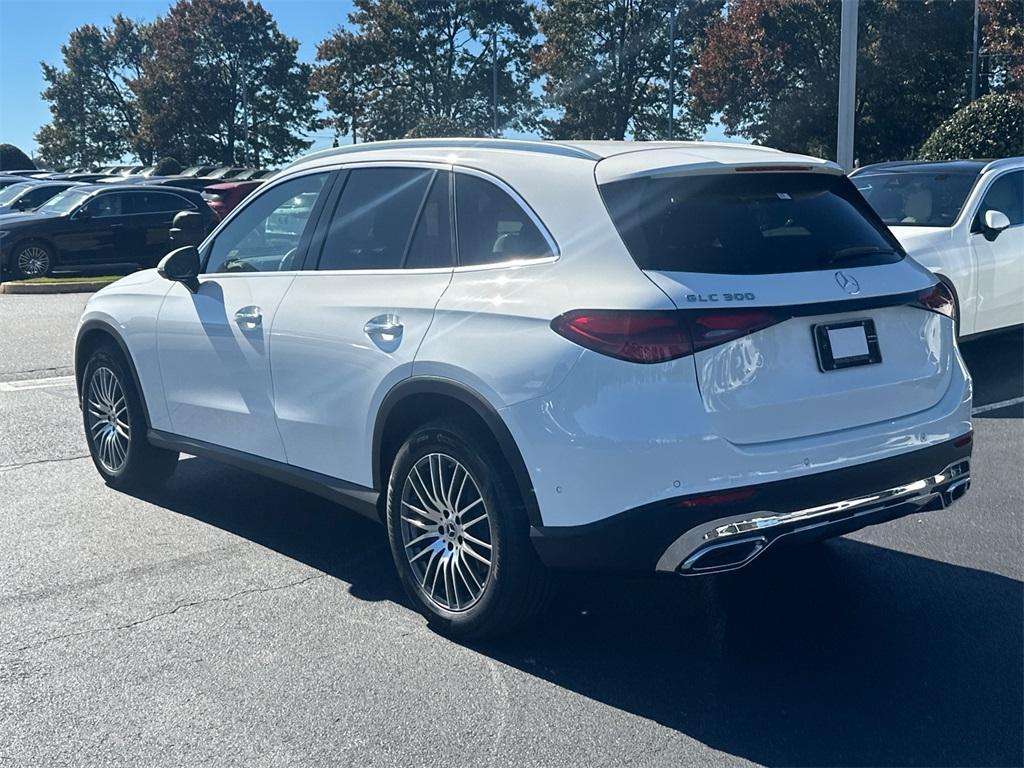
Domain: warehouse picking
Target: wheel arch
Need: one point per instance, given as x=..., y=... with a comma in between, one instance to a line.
x=94, y=334
x=416, y=401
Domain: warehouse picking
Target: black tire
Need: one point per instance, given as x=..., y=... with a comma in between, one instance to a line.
x=516, y=588
x=30, y=259
x=139, y=465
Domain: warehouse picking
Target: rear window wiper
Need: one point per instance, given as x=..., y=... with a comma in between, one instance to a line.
x=858, y=250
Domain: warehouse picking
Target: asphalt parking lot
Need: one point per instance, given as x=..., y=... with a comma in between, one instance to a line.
x=230, y=620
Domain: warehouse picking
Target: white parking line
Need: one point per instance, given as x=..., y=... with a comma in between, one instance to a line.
x=53, y=381
x=996, y=406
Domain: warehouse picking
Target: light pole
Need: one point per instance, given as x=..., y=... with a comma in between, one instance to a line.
x=974, y=55
x=494, y=80
x=847, y=84
x=671, y=71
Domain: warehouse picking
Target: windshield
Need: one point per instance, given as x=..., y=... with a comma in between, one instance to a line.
x=916, y=198
x=747, y=223
x=65, y=202
x=9, y=194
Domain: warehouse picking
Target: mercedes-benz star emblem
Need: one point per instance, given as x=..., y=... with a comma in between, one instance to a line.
x=848, y=283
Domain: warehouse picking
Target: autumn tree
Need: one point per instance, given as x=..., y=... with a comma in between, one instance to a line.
x=95, y=114
x=425, y=67
x=605, y=65
x=223, y=84
x=1002, y=25
x=771, y=68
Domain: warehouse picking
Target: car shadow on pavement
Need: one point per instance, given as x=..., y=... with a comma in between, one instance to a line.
x=843, y=654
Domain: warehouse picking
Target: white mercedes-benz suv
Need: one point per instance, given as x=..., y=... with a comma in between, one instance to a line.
x=524, y=356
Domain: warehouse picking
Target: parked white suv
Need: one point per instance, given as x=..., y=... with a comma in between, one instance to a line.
x=657, y=357
x=964, y=220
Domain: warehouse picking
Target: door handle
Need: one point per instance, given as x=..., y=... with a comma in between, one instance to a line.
x=384, y=327
x=249, y=318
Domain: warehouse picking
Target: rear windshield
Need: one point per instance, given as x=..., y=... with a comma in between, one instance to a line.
x=747, y=223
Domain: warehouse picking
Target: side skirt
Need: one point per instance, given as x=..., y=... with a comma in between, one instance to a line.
x=354, y=497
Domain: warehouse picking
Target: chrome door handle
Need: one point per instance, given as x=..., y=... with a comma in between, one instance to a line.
x=387, y=327
x=249, y=317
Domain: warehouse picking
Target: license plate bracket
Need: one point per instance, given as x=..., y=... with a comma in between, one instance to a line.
x=846, y=345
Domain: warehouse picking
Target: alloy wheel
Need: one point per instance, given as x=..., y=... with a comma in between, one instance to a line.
x=33, y=261
x=446, y=532
x=109, y=424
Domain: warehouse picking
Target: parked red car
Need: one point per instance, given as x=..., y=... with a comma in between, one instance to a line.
x=223, y=198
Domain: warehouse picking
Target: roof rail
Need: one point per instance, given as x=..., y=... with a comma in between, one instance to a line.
x=1004, y=162
x=515, y=145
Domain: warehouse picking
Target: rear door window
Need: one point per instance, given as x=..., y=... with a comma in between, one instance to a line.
x=747, y=223
x=492, y=227
x=159, y=202
x=373, y=220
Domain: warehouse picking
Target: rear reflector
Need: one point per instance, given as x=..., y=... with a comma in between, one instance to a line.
x=939, y=299
x=656, y=336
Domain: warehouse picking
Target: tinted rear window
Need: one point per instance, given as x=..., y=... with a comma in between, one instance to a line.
x=747, y=223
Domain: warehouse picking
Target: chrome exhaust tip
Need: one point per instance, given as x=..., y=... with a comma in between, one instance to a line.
x=956, y=491
x=724, y=557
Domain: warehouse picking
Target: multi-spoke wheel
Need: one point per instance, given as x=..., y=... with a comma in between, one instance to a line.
x=107, y=408
x=32, y=260
x=459, y=535
x=115, y=424
x=446, y=531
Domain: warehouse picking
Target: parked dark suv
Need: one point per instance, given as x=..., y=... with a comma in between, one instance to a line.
x=95, y=224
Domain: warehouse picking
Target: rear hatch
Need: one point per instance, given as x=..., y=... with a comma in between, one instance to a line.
x=806, y=317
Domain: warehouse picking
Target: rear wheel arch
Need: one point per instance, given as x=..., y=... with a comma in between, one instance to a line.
x=93, y=335
x=418, y=401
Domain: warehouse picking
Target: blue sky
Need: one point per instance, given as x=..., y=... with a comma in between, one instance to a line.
x=32, y=31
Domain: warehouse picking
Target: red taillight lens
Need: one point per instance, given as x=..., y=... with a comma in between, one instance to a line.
x=939, y=299
x=658, y=336
x=716, y=328
x=639, y=337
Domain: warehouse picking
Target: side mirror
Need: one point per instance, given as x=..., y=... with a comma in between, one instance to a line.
x=182, y=266
x=187, y=229
x=82, y=213
x=996, y=221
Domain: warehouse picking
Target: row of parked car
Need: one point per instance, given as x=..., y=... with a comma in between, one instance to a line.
x=117, y=215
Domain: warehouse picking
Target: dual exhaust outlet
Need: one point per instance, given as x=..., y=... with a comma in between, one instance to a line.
x=731, y=543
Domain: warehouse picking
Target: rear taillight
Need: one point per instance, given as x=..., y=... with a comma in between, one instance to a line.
x=939, y=299
x=639, y=337
x=655, y=336
x=714, y=328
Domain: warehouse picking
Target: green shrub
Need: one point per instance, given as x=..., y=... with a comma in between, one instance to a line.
x=13, y=159
x=167, y=166
x=992, y=126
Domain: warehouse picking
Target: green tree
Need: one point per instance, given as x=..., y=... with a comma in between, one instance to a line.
x=992, y=126
x=771, y=69
x=95, y=113
x=423, y=67
x=606, y=65
x=13, y=159
x=223, y=84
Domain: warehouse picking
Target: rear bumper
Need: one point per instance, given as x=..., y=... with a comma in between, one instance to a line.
x=724, y=530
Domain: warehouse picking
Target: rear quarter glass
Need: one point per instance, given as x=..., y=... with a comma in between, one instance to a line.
x=748, y=224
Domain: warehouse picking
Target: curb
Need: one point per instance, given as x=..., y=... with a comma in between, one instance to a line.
x=78, y=286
